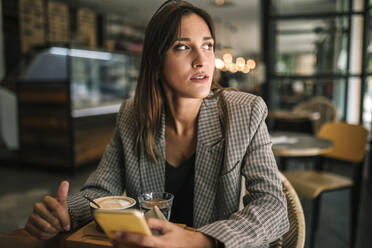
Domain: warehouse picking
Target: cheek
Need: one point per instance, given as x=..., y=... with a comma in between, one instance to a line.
x=175, y=68
x=172, y=72
x=213, y=59
x=212, y=63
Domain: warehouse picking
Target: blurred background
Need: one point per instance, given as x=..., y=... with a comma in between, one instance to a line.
x=65, y=67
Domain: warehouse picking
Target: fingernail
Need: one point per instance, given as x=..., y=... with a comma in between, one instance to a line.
x=67, y=228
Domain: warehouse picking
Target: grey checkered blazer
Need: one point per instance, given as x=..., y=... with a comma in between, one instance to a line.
x=232, y=141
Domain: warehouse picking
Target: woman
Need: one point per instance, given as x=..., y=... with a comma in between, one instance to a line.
x=179, y=118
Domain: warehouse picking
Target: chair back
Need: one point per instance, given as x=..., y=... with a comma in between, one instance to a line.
x=295, y=237
x=349, y=141
x=326, y=109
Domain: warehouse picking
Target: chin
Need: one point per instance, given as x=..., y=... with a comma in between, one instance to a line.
x=195, y=92
x=202, y=94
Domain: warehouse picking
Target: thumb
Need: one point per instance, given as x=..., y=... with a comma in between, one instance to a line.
x=62, y=193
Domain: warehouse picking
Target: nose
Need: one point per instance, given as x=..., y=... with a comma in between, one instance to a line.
x=199, y=59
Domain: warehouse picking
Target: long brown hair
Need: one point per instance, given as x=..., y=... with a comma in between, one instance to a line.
x=149, y=99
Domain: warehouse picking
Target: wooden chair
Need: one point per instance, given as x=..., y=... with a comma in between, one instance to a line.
x=350, y=143
x=324, y=107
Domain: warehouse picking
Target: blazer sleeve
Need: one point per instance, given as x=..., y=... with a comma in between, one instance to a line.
x=107, y=179
x=264, y=218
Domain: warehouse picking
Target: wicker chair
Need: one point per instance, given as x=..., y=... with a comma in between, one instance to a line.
x=295, y=237
x=326, y=109
x=349, y=148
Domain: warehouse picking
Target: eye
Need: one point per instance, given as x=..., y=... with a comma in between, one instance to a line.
x=208, y=46
x=181, y=47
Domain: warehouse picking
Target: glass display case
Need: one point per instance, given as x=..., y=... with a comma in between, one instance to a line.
x=68, y=99
x=99, y=81
x=99, y=84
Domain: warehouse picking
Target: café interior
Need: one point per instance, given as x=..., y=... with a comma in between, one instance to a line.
x=66, y=65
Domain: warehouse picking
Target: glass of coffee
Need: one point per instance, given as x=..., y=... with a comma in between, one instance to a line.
x=112, y=203
x=162, y=200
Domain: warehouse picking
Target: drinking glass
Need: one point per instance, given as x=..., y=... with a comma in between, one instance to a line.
x=163, y=200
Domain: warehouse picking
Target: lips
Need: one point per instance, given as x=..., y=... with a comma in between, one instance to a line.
x=199, y=77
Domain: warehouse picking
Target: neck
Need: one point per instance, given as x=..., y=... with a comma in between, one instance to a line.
x=183, y=114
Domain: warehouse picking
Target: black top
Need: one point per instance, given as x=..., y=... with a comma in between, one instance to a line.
x=180, y=182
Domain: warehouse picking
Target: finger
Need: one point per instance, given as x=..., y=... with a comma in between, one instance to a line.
x=136, y=239
x=41, y=210
x=36, y=232
x=58, y=211
x=160, y=225
x=62, y=193
x=62, y=199
x=41, y=224
x=31, y=229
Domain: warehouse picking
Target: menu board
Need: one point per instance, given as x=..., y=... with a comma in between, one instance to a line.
x=58, y=22
x=86, y=27
x=32, y=24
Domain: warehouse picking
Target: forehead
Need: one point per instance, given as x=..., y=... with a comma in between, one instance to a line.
x=193, y=24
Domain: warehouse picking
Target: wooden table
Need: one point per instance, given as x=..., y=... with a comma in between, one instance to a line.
x=85, y=237
x=298, y=145
x=22, y=239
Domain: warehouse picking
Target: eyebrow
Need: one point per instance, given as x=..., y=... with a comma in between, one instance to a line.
x=188, y=39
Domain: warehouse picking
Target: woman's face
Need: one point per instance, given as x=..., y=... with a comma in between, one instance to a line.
x=189, y=62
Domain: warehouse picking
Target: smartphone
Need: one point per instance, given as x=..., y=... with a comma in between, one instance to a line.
x=128, y=220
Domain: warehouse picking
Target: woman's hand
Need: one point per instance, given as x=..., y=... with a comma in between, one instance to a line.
x=171, y=236
x=50, y=216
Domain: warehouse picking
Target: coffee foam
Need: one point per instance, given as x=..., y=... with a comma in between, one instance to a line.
x=114, y=202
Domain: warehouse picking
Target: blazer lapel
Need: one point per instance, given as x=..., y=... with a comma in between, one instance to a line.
x=208, y=161
x=152, y=175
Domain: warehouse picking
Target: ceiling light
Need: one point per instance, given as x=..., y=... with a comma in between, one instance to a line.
x=219, y=63
x=226, y=64
x=240, y=61
x=222, y=3
x=246, y=69
x=233, y=68
x=227, y=57
x=251, y=63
